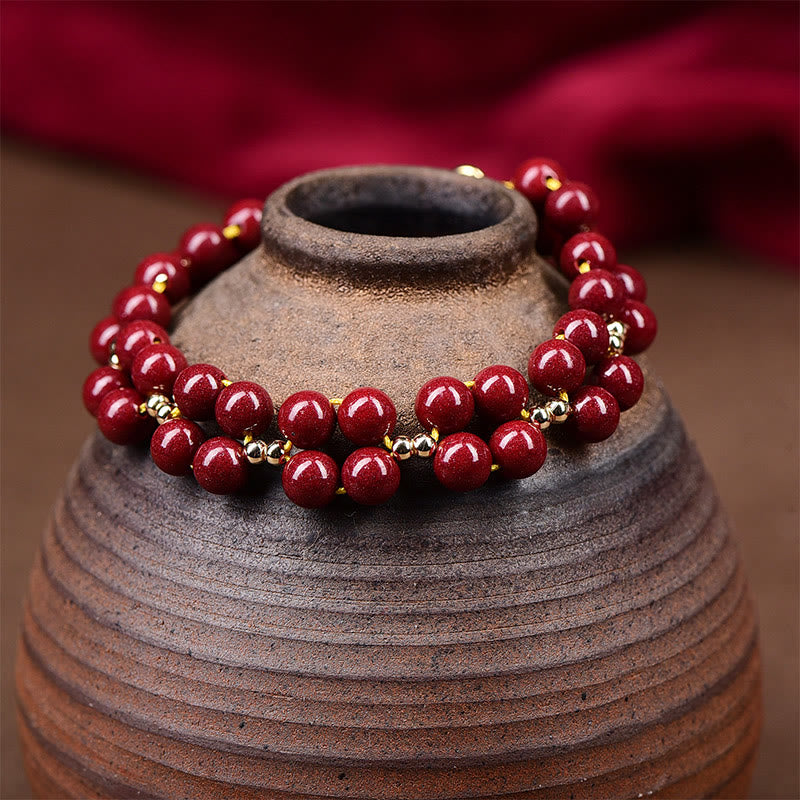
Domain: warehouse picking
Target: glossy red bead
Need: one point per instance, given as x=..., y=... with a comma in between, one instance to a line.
x=196, y=390
x=642, y=326
x=571, y=206
x=595, y=413
x=532, y=176
x=101, y=337
x=598, y=290
x=635, y=284
x=587, y=248
x=135, y=336
x=244, y=408
x=247, y=215
x=366, y=415
x=220, y=465
x=310, y=479
x=99, y=383
x=622, y=377
x=141, y=302
x=207, y=251
x=307, y=419
x=119, y=419
x=462, y=462
x=156, y=367
x=445, y=404
x=500, y=392
x=370, y=476
x=169, y=264
x=556, y=366
x=587, y=331
x=519, y=448
x=175, y=444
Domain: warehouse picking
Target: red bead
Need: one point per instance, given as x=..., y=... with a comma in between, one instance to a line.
x=598, y=290
x=220, y=465
x=642, y=326
x=196, y=390
x=134, y=337
x=519, y=448
x=99, y=383
x=310, y=479
x=571, y=206
x=445, y=404
x=366, y=415
x=174, y=445
x=587, y=331
x=101, y=337
x=462, y=462
x=622, y=377
x=500, y=392
x=169, y=264
x=370, y=476
x=207, y=251
x=156, y=367
x=587, y=248
x=635, y=284
x=556, y=366
x=247, y=215
x=141, y=302
x=307, y=419
x=119, y=418
x=532, y=175
x=595, y=413
x=244, y=408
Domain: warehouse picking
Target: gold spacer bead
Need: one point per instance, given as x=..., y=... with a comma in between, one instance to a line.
x=541, y=416
x=113, y=361
x=584, y=267
x=402, y=448
x=552, y=184
x=525, y=414
x=154, y=401
x=435, y=434
x=160, y=283
x=495, y=467
x=470, y=172
x=175, y=413
x=616, y=345
x=248, y=437
x=163, y=413
x=336, y=402
x=424, y=445
x=469, y=384
x=559, y=335
x=231, y=231
x=387, y=442
x=274, y=453
x=226, y=382
x=558, y=410
x=341, y=490
x=563, y=396
x=287, y=446
x=509, y=184
x=256, y=451
x=616, y=328
x=143, y=409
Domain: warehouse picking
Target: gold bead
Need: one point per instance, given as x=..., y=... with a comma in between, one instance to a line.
x=540, y=415
x=494, y=467
x=274, y=453
x=552, y=184
x=470, y=172
x=558, y=410
x=231, y=231
x=225, y=382
x=256, y=451
x=113, y=361
x=154, y=401
x=509, y=184
x=616, y=328
x=424, y=445
x=615, y=345
x=402, y=448
x=163, y=413
x=341, y=490
x=160, y=283
x=584, y=267
x=336, y=402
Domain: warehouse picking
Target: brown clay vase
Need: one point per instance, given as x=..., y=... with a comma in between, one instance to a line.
x=585, y=633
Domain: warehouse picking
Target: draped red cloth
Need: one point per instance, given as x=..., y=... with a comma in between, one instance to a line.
x=683, y=116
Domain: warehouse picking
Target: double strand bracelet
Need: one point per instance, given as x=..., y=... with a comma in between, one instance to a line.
x=146, y=389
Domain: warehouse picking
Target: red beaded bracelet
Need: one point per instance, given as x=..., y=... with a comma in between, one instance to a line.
x=145, y=388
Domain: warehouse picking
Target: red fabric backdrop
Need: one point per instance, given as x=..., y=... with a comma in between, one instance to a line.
x=683, y=116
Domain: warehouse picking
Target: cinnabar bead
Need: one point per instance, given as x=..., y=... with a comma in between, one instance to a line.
x=444, y=403
x=120, y=420
x=462, y=462
x=532, y=175
x=207, y=250
x=247, y=215
x=370, y=476
x=307, y=419
x=500, y=392
x=519, y=448
x=169, y=264
x=196, y=390
x=244, y=408
x=635, y=284
x=366, y=415
x=598, y=290
x=571, y=206
x=220, y=465
x=587, y=248
x=587, y=331
x=310, y=479
x=174, y=445
x=555, y=366
x=595, y=413
x=156, y=367
x=642, y=326
x=141, y=302
x=622, y=377
x=134, y=337
x=99, y=383
x=101, y=337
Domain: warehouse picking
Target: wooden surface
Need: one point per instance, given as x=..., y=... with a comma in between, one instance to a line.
x=745, y=316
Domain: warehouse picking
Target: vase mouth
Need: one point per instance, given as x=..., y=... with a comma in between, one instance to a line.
x=398, y=224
